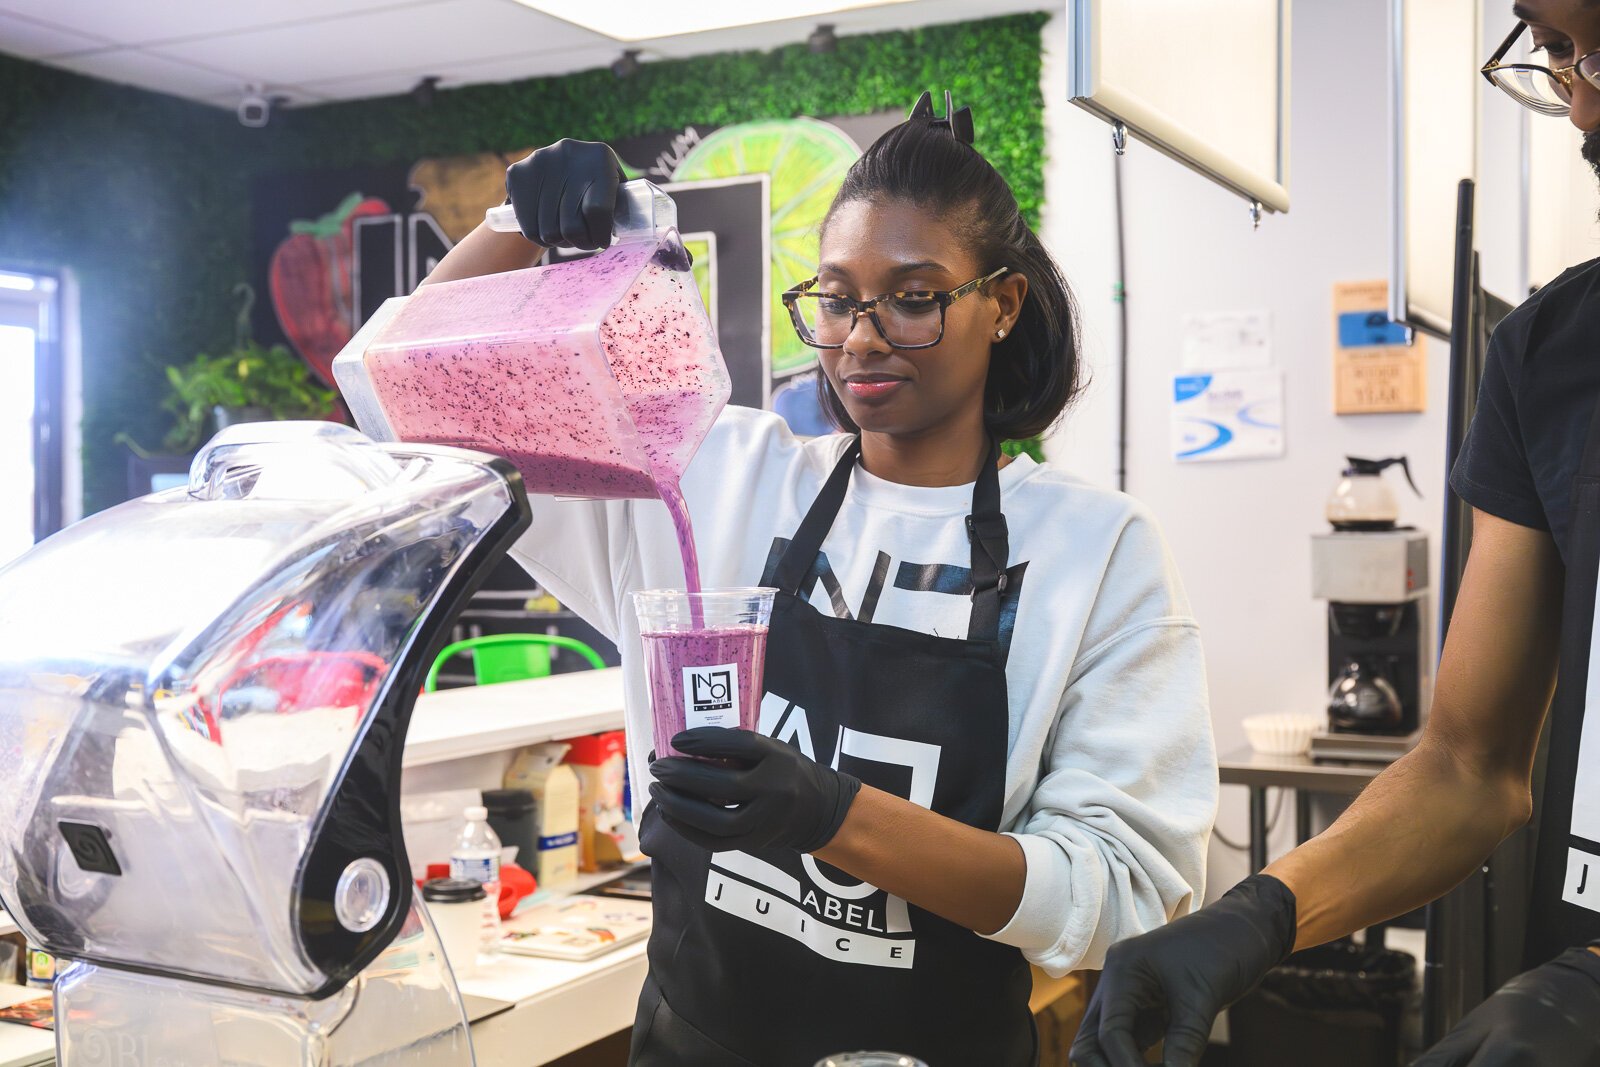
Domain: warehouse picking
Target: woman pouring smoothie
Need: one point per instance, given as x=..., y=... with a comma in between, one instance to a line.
x=985, y=738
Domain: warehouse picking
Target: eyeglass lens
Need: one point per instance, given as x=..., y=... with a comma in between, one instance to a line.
x=1536, y=89
x=908, y=319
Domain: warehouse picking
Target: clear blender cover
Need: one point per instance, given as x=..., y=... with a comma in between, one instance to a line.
x=184, y=680
x=595, y=377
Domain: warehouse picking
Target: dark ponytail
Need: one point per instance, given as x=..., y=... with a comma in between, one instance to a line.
x=1034, y=372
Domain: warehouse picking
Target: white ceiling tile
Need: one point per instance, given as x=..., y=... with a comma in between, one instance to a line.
x=130, y=67
x=477, y=72
x=769, y=35
x=34, y=40
x=139, y=21
x=544, y=65
x=428, y=38
x=353, y=49
x=292, y=96
x=368, y=85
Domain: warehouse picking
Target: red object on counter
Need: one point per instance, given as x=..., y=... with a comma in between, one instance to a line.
x=435, y=870
x=595, y=749
x=515, y=883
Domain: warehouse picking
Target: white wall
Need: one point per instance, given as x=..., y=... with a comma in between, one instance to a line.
x=1241, y=531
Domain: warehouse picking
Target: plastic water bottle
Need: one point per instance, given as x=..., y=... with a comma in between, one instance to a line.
x=476, y=857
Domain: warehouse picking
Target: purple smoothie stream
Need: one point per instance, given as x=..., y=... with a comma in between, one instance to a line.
x=709, y=677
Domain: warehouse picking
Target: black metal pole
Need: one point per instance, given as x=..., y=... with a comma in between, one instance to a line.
x=1442, y=914
x=1258, y=828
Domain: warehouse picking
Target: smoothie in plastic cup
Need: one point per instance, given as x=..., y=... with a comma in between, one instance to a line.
x=705, y=658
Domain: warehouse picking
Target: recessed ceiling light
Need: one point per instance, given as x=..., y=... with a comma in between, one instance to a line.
x=646, y=21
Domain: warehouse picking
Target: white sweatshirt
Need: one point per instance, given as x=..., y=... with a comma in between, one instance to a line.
x=1111, y=775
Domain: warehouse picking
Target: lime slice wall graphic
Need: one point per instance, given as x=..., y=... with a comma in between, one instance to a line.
x=702, y=247
x=806, y=160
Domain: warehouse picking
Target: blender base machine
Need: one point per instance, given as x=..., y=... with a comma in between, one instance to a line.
x=204, y=696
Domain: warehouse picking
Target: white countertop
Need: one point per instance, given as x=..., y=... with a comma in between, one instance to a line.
x=456, y=723
x=553, y=1007
x=24, y=1046
x=560, y=1006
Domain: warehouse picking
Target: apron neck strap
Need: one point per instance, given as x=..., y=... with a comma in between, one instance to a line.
x=796, y=563
x=986, y=530
x=991, y=549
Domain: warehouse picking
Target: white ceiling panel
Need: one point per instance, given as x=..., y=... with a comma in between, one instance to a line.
x=423, y=38
x=32, y=40
x=474, y=72
x=294, y=96
x=129, y=67
x=132, y=22
x=315, y=50
x=879, y=19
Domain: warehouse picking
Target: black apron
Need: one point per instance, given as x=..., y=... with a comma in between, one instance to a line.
x=1566, y=881
x=777, y=959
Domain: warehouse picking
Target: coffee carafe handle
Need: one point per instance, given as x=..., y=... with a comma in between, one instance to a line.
x=1359, y=466
x=643, y=210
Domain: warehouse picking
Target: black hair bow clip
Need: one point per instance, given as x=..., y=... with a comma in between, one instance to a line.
x=957, y=121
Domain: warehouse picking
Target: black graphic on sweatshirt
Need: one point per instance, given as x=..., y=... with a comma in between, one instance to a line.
x=949, y=578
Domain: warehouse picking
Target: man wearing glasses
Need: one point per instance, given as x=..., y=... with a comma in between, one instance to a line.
x=1524, y=620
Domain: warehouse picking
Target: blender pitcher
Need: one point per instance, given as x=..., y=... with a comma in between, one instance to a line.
x=596, y=377
x=204, y=696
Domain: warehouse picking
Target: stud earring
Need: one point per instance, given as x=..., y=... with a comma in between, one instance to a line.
x=999, y=333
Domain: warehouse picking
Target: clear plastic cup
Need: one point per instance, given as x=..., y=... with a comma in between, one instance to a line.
x=705, y=657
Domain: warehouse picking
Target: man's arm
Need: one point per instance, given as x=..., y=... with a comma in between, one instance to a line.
x=1419, y=829
x=1424, y=824
x=485, y=251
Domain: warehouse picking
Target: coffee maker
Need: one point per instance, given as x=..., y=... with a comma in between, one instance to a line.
x=1380, y=671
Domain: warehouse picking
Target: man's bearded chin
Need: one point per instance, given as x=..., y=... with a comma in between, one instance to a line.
x=1591, y=151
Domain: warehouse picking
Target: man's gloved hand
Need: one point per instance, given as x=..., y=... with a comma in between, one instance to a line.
x=771, y=795
x=1172, y=982
x=565, y=194
x=1546, y=1017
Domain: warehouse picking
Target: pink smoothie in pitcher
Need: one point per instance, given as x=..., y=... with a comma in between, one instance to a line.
x=710, y=677
x=596, y=377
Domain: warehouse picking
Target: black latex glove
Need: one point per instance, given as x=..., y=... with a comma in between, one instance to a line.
x=1546, y=1017
x=1173, y=981
x=565, y=194
x=771, y=796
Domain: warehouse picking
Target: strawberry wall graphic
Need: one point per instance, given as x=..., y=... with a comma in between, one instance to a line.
x=310, y=281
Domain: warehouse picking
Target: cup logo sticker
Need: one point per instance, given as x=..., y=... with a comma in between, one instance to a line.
x=711, y=696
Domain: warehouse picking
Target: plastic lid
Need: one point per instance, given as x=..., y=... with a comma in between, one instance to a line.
x=642, y=210
x=503, y=800
x=452, y=891
x=476, y=813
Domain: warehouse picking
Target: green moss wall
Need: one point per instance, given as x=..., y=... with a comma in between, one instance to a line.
x=139, y=195
x=144, y=197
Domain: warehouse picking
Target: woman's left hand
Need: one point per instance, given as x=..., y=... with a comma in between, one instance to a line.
x=772, y=796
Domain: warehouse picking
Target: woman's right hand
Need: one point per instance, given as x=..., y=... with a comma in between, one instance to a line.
x=565, y=194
